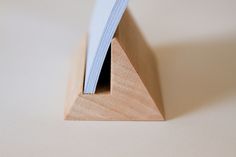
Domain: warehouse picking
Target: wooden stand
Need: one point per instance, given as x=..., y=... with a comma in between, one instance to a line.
x=133, y=93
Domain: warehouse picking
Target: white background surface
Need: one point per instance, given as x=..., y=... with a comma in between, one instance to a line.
x=194, y=42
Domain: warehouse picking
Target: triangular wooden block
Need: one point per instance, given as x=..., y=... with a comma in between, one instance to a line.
x=134, y=92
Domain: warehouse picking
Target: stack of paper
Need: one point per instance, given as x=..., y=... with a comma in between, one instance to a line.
x=106, y=17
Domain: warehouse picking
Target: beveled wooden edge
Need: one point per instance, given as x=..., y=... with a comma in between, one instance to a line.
x=76, y=76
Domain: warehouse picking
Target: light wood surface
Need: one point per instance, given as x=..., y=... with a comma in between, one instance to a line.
x=76, y=79
x=141, y=56
x=134, y=91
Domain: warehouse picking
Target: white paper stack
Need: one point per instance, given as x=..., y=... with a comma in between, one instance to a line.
x=105, y=19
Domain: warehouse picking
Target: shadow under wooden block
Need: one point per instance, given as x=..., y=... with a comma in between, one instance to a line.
x=134, y=93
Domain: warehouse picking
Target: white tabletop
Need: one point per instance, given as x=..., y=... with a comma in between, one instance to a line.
x=194, y=42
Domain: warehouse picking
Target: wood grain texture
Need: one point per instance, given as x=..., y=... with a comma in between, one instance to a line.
x=141, y=56
x=129, y=98
x=76, y=77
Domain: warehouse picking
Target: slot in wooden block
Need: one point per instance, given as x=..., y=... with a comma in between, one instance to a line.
x=134, y=92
